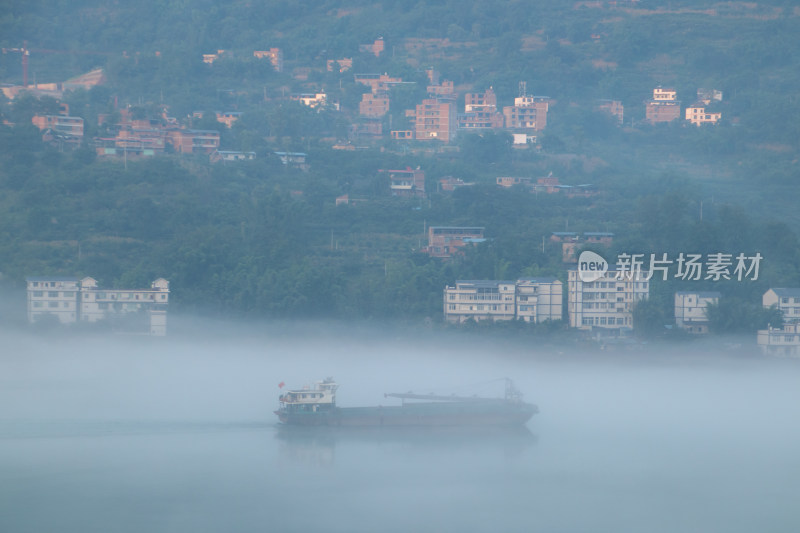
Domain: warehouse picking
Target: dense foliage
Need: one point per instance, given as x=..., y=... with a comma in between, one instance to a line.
x=260, y=238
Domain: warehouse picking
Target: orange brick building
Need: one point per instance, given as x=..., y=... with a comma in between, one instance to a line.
x=435, y=119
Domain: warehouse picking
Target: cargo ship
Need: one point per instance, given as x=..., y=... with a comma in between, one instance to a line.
x=316, y=406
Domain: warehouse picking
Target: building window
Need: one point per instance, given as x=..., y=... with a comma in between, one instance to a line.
x=52, y=294
x=37, y=294
x=52, y=304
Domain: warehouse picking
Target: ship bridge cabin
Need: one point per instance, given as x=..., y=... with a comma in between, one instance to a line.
x=321, y=396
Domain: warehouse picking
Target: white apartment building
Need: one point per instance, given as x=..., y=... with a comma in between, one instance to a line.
x=787, y=300
x=697, y=115
x=690, y=310
x=104, y=304
x=783, y=341
x=606, y=303
x=72, y=300
x=661, y=94
x=539, y=299
x=529, y=299
x=480, y=300
x=54, y=296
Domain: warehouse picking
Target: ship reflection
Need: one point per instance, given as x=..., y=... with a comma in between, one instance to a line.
x=316, y=446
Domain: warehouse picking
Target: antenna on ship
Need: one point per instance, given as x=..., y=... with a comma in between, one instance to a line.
x=512, y=392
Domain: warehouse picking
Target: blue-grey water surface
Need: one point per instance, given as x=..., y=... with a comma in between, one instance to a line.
x=174, y=435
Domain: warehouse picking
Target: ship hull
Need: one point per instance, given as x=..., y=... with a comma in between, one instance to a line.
x=476, y=414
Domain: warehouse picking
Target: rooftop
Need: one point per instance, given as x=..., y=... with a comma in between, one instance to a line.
x=699, y=294
x=791, y=292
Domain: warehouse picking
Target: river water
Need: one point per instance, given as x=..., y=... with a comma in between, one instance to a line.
x=132, y=435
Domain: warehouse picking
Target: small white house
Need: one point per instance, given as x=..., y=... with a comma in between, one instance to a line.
x=690, y=310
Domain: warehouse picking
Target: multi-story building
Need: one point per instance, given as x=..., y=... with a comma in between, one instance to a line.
x=376, y=48
x=697, y=115
x=662, y=112
x=71, y=300
x=785, y=300
x=435, y=118
x=783, y=341
x=194, y=141
x=485, y=101
x=606, y=303
x=446, y=241
x=275, y=56
x=527, y=113
x=663, y=107
x=539, y=299
x=446, y=89
x=149, y=306
x=53, y=296
x=480, y=120
x=690, y=310
x=480, y=300
x=662, y=94
x=530, y=299
x=373, y=106
x=61, y=124
x=408, y=182
x=366, y=128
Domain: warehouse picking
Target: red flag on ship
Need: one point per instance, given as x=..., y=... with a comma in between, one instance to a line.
x=281, y=384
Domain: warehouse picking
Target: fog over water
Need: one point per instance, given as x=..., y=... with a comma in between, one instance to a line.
x=177, y=434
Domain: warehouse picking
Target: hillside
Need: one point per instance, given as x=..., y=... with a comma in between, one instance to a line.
x=261, y=238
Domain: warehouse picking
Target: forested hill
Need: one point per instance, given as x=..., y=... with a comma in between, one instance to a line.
x=262, y=238
x=563, y=49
